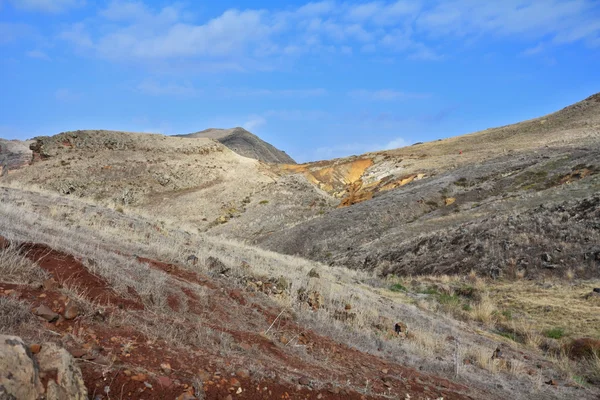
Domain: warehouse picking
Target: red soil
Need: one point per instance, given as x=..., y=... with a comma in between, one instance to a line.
x=289, y=363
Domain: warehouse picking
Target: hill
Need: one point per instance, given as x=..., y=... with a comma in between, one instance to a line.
x=244, y=143
x=446, y=191
x=174, y=266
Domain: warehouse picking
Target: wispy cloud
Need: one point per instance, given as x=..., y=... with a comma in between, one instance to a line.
x=296, y=93
x=133, y=31
x=385, y=95
x=10, y=32
x=254, y=122
x=47, y=6
x=357, y=148
x=155, y=88
x=40, y=55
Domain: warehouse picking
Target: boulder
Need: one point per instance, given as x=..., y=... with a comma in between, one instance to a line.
x=69, y=383
x=19, y=376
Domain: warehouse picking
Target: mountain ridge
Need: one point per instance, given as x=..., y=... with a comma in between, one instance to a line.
x=244, y=143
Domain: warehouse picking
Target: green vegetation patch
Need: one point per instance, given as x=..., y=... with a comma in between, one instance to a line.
x=555, y=333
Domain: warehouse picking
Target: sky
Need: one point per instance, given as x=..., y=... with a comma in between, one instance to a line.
x=316, y=79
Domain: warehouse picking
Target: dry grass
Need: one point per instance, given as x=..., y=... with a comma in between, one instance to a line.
x=16, y=268
x=93, y=234
x=15, y=316
x=485, y=311
x=425, y=343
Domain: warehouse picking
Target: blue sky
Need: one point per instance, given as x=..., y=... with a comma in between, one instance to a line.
x=317, y=79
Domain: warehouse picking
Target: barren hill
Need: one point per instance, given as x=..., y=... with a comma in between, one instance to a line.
x=174, y=267
x=401, y=201
x=244, y=143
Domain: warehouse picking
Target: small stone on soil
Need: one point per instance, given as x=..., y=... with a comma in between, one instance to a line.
x=46, y=313
x=71, y=311
x=35, y=348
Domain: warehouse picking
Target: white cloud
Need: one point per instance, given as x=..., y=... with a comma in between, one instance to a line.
x=78, y=35
x=154, y=88
x=561, y=19
x=10, y=32
x=254, y=122
x=48, y=6
x=316, y=92
x=395, y=143
x=38, y=54
x=385, y=95
x=349, y=149
x=127, y=31
x=534, y=50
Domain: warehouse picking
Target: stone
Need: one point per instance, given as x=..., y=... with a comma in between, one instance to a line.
x=166, y=367
x=78, y=353
x=35, y=348
x=304, y=381
x=546, y=257
x=16, y=363
x=243, y=373
x=315, y=300
x=71, y=311
x=69, y=379
x=552, y=382
x=46, y=313
x=497, y=354
x=216, y=265
x=192, y=259
x=313, y=273
x=596, y=290
x=165, y=381
x=139, y=378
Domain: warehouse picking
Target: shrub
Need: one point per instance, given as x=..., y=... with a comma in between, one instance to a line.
x=397, y=287
x=555, y=333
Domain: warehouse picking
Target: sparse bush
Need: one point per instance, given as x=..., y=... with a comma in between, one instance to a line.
x=14, y=315
x=484, y=311
x=555, y=333
x=16, y=268
x=398, y=287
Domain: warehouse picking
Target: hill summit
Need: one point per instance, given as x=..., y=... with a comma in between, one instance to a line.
x=244, y=143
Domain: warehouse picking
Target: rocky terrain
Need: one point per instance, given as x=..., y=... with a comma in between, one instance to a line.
x=14, y=155
x=245, y=143
x=210, y=266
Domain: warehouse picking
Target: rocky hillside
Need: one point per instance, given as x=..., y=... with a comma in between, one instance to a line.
x=156, y=312
x=245, y=143
x=447, y=191
x=14, y=154
x=197, y=181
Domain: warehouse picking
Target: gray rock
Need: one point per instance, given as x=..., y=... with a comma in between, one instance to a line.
x=19, y=376
x=46, y=313
x=69, y=383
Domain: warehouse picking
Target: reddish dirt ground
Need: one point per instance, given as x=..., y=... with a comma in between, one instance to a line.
x=120, y=362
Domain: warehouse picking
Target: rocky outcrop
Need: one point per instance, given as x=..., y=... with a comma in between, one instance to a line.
x=14, y=154
x=21, y=372
x=245, y=143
